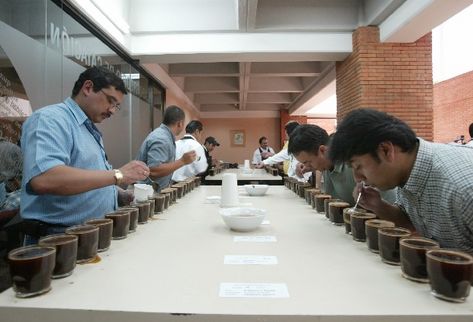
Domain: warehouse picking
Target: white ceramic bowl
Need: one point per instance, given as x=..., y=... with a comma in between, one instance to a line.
x=256, y=189
x=243, y=218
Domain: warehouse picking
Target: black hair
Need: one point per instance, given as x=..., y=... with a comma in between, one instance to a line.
x=193, y=126
x=470, y=129
x=307, y=138
x=173, y=114
x=290, y=126
x=362, y=130
x=261, y=139
x=101, y=77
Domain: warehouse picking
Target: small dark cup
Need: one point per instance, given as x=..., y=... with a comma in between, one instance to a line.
x=357, y=222
x=66, y=253
x=413, y=260
x=31, y=268
x=167, y=200
x=388, y=243
x=134, y=211
x=152, y=206
x=105, y=226
x=180, y=190
x=450, y=274
x=335, y=209
x=143, y=211
x=371, y=227
x=160, y=199
x=88, y=242
x=121, y=224
x=319, y=202
x=347, y=217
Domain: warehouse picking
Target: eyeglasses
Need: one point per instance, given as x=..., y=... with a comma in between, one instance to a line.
x=112, y=101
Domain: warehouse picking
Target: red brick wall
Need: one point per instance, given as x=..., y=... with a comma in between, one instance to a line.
x=453, y=107
x=392, y=77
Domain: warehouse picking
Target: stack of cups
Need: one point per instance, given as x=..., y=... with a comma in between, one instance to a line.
x=229, y=191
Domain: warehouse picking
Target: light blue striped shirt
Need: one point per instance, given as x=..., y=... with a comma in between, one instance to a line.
x=56, y=135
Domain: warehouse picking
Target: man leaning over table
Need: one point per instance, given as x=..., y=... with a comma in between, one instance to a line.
x=310, y=146
x=434, y=180
x=158, y=150
x=67, y=179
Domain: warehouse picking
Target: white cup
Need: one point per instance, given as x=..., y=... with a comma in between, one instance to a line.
x=247, y=164
x=229, y=190
x=141, y=191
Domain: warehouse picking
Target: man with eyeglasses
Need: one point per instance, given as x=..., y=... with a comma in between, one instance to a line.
x=67, y=179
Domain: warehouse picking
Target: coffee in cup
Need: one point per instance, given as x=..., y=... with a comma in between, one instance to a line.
x=347, y=217
x=31, y=268
x=450, y=274
x=319, y=202
x=388, y=243
x=121, y=223
x=87, y=243
x=134, y=211
x=413, y=260
x=371, y=227
x=335, y=209
x=357, y=222
x=66, y=253
x=105, y=226
x=143, y=211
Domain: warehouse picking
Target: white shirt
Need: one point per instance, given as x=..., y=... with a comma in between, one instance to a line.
x=282, y=156
x=257, y=158
x=186, y=144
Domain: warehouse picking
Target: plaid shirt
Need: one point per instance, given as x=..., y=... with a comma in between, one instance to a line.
x=438, y=196
x=12, y=201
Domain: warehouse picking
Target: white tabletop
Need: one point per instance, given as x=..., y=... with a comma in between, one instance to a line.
x=173, y=267
x=246, y=175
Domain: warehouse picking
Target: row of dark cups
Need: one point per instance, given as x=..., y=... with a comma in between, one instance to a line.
x=449, y=272
x=271, y=170
x=55, y=256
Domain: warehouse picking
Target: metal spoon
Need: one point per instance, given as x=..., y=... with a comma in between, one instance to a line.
x=359, y=196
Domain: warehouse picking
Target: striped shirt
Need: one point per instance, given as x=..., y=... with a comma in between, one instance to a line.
x=57, y=135
x=438, y=196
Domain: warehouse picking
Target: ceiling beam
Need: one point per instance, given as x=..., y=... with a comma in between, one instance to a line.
x=211, y=84
x=244, y=83
x=225, y=43
x=204, y=69
x=269, y=85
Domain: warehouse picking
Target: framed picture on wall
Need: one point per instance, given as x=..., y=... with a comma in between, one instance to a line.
x=237, y=138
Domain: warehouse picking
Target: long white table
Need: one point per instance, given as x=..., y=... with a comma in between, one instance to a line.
x=171, y=270
x=247, y=177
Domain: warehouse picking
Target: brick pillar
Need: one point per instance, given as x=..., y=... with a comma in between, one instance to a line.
x=285, y=117
x=391, y=77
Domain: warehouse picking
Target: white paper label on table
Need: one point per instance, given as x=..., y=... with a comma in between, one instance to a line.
x=256, y=239
x=255, y=290
x=250, y=260
x=266, y=222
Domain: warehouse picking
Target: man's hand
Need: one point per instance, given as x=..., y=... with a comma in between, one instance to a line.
x=370, y=197
x=134, y=171
x=260, y=165
x=189, y=157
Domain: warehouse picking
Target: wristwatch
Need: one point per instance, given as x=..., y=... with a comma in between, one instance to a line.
x=118, y=176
